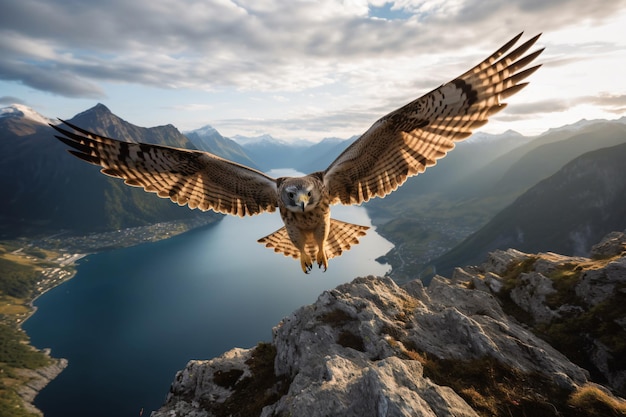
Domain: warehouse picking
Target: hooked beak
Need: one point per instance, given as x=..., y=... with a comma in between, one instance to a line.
x=303, y=200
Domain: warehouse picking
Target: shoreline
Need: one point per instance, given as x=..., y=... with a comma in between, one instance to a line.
x=31, y=303
x=38, y=379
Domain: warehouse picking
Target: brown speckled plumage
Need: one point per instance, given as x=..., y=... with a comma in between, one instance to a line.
x=399, y=145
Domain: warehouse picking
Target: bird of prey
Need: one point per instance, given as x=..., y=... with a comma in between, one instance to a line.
x=399, y=145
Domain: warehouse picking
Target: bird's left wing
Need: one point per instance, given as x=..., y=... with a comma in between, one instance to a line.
x=407, y=141
x=197, y=179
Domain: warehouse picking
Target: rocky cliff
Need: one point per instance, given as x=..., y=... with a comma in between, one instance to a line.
x=37, y=379
x=465, y=346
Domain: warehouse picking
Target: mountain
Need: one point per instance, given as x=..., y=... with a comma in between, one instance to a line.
x=437, y=210
x=270, y=153
x=46, y=189
x=548, y=153
x=19, y=111
x=496, y=169
x=566, y=212
x=474, y=345
x=459, y=166
x=319, y=156
x=269, y=139
x=209, y=139
x=100, y=120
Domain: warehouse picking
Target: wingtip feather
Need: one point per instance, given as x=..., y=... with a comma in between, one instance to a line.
x=512, y=90
x=85, y=157
x=495, y=109
x=510, y=43
x=524, y=74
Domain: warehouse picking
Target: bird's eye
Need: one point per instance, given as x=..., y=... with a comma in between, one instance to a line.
x=309, y=194
x=290, y=195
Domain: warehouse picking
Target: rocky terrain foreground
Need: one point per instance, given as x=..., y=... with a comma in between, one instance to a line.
x=483, y=343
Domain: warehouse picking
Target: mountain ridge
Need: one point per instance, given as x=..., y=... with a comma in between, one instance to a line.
x=208, y=139
x=460, y=195
x=22, y=111
x=565, y=212
x=428, y=223
x=48, y=190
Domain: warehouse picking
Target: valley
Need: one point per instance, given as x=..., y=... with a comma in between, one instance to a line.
x=560, y=191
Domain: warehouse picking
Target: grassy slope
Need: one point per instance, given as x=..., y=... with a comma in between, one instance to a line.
x=19, y=274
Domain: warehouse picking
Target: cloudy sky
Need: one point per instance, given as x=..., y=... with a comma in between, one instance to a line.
x=302, y=68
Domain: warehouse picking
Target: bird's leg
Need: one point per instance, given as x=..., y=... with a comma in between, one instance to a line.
x=321, y=259
x=305, y=262
x=299, y=239
x=320, y=238
x=305, y=259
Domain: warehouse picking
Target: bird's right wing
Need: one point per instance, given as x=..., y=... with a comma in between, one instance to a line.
x=410, y=139
x=194, y=178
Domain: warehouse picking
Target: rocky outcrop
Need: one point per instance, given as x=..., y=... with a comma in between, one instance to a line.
x=578, y=304
x=37, y=379
x=464, y=346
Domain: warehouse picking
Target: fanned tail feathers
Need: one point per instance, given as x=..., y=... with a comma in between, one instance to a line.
x=341, y=237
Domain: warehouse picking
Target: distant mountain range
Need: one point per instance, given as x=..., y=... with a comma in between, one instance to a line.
x=45, y=189
x=490, y=200
x=564, y=213
x=265, y=152
x=558, y=191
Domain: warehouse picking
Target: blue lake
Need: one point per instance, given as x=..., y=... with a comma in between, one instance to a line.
x=133, y=317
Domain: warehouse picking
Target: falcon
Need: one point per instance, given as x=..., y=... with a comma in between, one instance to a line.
x=399, y=145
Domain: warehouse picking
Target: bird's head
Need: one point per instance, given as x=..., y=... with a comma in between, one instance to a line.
x=299, y=195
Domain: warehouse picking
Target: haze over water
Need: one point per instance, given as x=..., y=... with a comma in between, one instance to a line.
x=131, y=318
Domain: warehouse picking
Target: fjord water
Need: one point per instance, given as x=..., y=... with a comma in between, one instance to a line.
x=132, y=317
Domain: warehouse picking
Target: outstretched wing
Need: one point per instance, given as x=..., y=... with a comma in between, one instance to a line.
x=407, y=141
x=197, y=179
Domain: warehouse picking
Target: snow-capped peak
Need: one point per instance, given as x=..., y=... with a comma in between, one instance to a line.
x=207, y=130
x=20, y=110
x=256, y=140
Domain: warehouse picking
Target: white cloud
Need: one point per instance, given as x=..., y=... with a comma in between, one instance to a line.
x=324, y=48
x=8, y=100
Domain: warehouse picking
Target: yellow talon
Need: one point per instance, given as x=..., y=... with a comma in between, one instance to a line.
x=322, y=260
x=305, y=262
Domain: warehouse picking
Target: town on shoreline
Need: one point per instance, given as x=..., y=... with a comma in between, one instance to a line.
x=54, y=258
